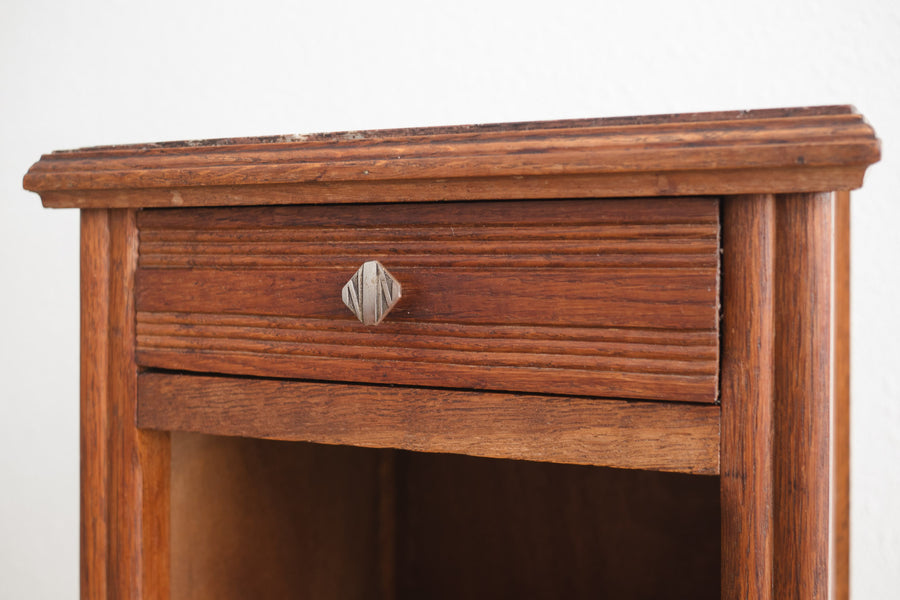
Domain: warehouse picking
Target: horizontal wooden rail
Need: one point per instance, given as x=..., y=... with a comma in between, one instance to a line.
x=615, y=433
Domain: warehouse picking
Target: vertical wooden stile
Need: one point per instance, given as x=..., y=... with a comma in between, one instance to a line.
x=747, y=394
x=136, y=503
x=94, y=402
x=804, y=405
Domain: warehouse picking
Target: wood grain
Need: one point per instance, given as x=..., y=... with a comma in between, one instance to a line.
x=642, y=435
x=804, y=530
x=833, y=144
x=604, y=297
x=748, y=339
x=95, y=402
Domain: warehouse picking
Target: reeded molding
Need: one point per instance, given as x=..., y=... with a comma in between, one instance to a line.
x=778, y=150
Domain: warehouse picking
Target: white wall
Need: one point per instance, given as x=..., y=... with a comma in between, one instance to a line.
x=94, y=72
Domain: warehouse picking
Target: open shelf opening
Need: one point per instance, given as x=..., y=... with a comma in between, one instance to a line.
x=266, y=519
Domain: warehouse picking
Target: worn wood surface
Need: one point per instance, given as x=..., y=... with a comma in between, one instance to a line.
x=804, y=529
x=739, y=152
x=643, y=435
x=478, y=528
x=604, y=297
x=274, y=520
x=125, y=472
x=748, y=338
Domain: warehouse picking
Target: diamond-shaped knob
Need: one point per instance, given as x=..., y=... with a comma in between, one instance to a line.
x=371, y=293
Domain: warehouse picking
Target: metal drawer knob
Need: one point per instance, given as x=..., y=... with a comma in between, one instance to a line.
x=371, y=293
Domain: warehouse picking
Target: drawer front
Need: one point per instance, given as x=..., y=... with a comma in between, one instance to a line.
x=613, y=298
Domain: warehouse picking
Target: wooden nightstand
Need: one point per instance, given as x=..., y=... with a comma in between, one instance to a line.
x=618, y=366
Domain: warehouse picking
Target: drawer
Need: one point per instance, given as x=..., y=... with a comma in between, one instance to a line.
x=611, y=298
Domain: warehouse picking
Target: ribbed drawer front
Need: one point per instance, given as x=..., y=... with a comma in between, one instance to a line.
x=613, y=298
